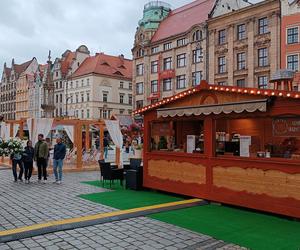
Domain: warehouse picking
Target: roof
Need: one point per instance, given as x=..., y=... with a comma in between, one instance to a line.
x=19, y=68
x=115, y=66
x=205, y=86
x=7, y=71
x=65, y=64
x=182, y=19
x=283, y=74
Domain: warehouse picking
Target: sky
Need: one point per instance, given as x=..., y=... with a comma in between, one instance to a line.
x=30, y=28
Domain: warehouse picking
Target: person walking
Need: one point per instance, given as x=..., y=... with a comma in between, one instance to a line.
x=27, y=159
x=41, y=152
x=58, y=160
x=17, y=160
x=105, y=145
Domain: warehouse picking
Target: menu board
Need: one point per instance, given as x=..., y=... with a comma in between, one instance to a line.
x=161, y=128
x=287, y=126
x=245, y=142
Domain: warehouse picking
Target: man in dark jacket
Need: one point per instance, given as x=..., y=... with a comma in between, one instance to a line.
x=27, y=159
x=58, y=158
x=41, y=152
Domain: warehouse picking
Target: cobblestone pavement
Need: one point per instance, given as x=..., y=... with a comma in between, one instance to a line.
x=22, y=204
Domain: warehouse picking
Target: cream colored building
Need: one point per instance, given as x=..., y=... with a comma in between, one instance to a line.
x=244, y=45
x=100, y=87
x=170, y=48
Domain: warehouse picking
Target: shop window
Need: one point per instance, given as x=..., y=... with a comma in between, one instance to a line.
x=177, y=136
x=259, y=137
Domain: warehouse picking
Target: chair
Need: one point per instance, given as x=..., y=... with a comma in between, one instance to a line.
x=109, y=173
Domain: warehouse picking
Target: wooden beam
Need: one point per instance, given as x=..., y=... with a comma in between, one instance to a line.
x=118, y=157
x=101, y=138
x=21, y=130
x=87, y=136
x=79, y=145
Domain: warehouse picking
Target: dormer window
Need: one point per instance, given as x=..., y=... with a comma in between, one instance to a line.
x=197, y=35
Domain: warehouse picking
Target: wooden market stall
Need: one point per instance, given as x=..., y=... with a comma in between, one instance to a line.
x=232, y=145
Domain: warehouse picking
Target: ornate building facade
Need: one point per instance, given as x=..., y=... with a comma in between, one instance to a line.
x=244, y=45
x=170, y=48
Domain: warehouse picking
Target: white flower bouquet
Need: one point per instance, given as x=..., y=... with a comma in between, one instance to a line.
x=11, y=147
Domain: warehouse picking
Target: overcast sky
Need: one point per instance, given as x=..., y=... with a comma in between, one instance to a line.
x=29, y=28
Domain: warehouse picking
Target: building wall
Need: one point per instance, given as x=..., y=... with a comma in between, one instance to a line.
x=95, y=86
x=250, y=45
x=290, y=19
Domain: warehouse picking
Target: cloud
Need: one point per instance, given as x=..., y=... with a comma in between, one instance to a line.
x=30, y=28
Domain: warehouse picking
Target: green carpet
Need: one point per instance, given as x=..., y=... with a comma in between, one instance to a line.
x=125, y=198
x=245, y=228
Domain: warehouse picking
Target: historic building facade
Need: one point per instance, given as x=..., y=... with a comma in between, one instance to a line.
x=244, y=45
x=63, y=69
x=8, y=87
x=170, y=47
x=25, y=79
x=100, y=87
x=290, y=38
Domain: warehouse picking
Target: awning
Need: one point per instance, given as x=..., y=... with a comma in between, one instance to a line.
x=226, y=108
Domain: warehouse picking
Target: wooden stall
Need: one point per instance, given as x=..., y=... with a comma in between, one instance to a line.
x=232, y=145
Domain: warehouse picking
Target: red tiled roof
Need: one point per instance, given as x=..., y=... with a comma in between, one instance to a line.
x=234, y=89
x=182, y=19
x=19, y=68
x=105, y=65
x=7, y=71
x=65, y=64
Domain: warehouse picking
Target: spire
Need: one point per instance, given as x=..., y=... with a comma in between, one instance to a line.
x=4, y=65
x=12, y=62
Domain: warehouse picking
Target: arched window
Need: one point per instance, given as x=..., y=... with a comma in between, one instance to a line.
x=140, y=53
x=197, y=35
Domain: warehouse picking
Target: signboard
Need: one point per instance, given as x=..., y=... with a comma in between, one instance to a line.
x=288, y=126
x=245, y=142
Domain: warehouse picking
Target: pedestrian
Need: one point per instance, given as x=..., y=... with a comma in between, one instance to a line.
x=27, y=159
x=105, y=145
x=58, y=160
x=41, y=152
x=17, y=160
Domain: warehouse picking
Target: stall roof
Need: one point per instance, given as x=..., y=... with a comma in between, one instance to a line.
x=205, y=86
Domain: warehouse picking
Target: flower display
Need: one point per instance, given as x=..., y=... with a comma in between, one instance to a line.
x=11, y=147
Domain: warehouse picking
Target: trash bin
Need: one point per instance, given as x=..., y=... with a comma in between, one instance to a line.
x=134, y=178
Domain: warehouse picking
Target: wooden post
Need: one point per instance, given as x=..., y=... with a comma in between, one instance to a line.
x=11, y=129
x=79, y=144
x=101, y=138
x=209, y=136
x=87, y=136
x=118, y=156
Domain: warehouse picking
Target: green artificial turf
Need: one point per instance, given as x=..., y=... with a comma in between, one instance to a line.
x=254, y=230
x=245, y=228
x=125, y=198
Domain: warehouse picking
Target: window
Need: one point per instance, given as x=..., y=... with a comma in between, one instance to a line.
x=104, y=96
x=122, y=111
x=121, y=85
x=263, y=57
x=222, y=37
x=154, y=50
x=263, y=25
x=88, y=82
x=105, y=114
x=197, y=76
x=197, y=35
x=241, y=83
x=140, y=53
x=82, y=97
x=87, y=113
x=241, y=31
x=60, y=98
x=262, y=82
x=56, y=85
x=181, y=61
x=293, y=62
x=139, y=88
x=82, y=113
x=197, y=55
x=139, y=104
x=154, y=86
x=76, y=113
x=167, y=84
x=130, y=99
x=77, y=99
x=154, y=67
x=181, y=42
x=130, y=86
x=167, y=63
x=56, y=98
x=60, y=84
x=221, y=64
x=222, y=83
x=77, y=84
x=292, y=35
x=121, y=98
x=167, y=46
x=56, y=74
x=82, y=83
x=241, y=61
x=180, y=82
x=139, y=69
x=87, y=96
